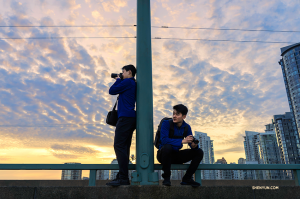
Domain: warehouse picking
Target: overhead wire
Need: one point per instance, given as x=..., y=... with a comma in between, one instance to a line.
x=226, y=40
x=232, y=29
x=157, y=38
x=67, y=38
x=81, y=26
x=185, y=39
x=50, y=125
x=171, y=27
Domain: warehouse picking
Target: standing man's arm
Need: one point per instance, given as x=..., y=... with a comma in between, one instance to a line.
x=119, y=86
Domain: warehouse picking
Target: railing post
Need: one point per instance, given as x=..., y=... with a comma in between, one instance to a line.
x=92, y=180
x=297, y=177
x=198, y=176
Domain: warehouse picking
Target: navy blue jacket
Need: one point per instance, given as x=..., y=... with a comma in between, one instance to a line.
x=127, y=96
x=176, y=143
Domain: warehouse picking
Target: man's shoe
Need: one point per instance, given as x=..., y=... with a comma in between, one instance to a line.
x=118, y=182
x=167, y=182
x=190, y=182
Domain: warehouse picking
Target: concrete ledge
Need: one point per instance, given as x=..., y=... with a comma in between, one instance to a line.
x=146, y=192
x=84, y=183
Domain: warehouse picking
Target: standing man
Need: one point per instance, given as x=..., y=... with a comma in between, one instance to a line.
x=169, y=149
x=126, y=124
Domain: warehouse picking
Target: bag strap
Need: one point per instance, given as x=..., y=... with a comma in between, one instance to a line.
x=116, y=104
x=171, y=131
x=186, y=129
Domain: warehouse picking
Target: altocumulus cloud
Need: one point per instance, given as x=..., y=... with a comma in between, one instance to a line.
x=54, y=92
x=67, y=151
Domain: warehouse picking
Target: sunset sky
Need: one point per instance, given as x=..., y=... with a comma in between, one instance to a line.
x=54, y=92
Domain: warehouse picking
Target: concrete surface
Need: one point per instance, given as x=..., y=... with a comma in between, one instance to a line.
x=148, y=192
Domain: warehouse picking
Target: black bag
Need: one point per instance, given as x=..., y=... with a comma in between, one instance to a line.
x=112, y=116
x=157, y=141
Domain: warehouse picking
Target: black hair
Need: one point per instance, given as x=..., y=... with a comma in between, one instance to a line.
x=131, y=68
x=180, y=108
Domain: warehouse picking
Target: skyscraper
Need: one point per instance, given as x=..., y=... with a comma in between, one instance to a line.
x=206, y=144
x=71, y=174
x=290, y=65
x=269, y=153
x=223, y=174
x=242, y=173
x=252, y=154
x=250, y=145
x=288, y=140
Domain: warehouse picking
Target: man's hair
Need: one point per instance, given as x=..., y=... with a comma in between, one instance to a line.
x=180, y=108
x=131, y=68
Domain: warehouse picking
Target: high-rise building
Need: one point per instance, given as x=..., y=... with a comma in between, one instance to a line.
x=234, y=173
x=102, y=175
x=269, y=153
x=290, y=65
x=71, y=174
x=242, y=173
x=206, y=144
x=241, y=161
x=250, y=145
x=288, y=140
x=252, y=154
x=223, y=174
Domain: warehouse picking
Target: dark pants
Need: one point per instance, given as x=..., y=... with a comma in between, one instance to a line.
x=123, y=135
x=167, y=156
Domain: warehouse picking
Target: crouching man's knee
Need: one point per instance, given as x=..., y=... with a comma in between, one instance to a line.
x=167, y=148
x=200, y=153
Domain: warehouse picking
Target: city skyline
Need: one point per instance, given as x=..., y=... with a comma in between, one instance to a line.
x=54, y=92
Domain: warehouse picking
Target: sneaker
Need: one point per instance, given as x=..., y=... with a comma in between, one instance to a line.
x=117, y=182
x=190, y=182
x=167, y=182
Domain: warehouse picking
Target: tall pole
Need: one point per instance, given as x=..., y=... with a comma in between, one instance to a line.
x=144, y=174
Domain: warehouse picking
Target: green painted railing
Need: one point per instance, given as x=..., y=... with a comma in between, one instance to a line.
x=94, y=167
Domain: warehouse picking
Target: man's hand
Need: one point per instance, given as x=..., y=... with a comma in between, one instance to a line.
x=188, y=139
x=193, y=145
x=117, y=77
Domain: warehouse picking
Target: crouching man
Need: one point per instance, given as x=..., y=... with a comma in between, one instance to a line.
x=173, y=134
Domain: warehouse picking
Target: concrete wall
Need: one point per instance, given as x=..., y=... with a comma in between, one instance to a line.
x=146, y=192
x=81, y=183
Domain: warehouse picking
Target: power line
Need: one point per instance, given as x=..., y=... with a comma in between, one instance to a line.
x=171, y=27
x=51, y=125
x=226, y=40
x=88, y=26
x=12, y=38
x=211, y=40
x=235, y=29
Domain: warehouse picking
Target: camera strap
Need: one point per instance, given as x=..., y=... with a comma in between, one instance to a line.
x=116, y=104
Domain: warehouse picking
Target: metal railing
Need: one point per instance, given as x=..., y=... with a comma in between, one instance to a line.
x=94, y=167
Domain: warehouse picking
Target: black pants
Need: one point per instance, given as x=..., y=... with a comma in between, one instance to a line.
x=123, y=135
x=167, y=156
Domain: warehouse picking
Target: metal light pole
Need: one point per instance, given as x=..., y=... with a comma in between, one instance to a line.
x=144, y=130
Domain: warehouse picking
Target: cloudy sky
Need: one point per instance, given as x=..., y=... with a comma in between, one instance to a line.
x=54, y=92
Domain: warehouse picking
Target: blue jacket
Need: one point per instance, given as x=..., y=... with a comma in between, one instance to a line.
x=127, y=96
x=176, y=143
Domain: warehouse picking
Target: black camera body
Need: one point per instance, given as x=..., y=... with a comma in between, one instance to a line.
x=195, y=140
x=113, y=75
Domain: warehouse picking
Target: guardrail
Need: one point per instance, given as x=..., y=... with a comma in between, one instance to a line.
x=94, y=167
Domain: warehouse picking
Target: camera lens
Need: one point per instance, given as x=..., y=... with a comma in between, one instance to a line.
x=113, y=75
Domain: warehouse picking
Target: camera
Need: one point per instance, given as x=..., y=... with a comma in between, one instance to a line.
x=113, y=75
x=195, y=140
